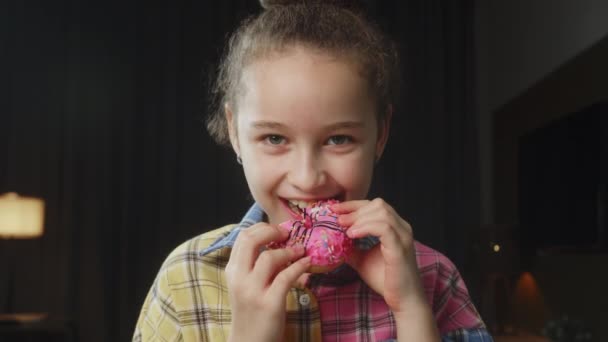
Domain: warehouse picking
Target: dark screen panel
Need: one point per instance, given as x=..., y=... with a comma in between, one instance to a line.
x=562, y=172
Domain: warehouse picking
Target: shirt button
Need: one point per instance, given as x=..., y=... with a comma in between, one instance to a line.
x=305, y=299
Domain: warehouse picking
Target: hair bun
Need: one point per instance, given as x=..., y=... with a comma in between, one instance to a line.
x=272, y=3
x=267, y=4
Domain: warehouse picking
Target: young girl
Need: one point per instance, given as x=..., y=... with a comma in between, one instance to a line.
x=307, y=91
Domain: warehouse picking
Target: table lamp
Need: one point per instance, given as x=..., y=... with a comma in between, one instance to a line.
x=20, y=218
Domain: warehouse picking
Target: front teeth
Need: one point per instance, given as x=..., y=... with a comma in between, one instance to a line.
x=301, y=205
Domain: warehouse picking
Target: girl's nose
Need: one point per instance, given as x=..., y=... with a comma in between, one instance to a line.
x=307, y=174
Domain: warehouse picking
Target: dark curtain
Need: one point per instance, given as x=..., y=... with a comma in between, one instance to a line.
x=101, y=107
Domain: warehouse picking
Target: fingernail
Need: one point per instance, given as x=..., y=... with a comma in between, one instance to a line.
x=351, y=233
x=298, y=249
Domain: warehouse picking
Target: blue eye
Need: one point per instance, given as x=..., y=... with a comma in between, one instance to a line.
x=339, y=140
x=275, y=139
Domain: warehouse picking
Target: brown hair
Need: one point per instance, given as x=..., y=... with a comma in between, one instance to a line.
x=334, y=27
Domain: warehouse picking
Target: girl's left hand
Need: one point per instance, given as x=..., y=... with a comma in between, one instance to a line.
x=389, y=268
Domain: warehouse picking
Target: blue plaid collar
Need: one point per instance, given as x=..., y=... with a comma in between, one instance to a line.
x=254, y=215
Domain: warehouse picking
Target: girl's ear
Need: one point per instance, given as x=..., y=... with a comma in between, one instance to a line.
x=384, y=127
x=234, y=141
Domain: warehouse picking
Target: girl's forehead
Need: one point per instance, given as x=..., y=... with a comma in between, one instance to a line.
x=303, y=77
x=305, y=90
x=300, y=49
x=305, y=98
x=297, y=56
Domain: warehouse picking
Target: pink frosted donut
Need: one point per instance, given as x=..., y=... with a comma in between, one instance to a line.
x=325, y=241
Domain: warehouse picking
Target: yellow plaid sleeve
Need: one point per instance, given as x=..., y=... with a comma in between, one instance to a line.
x=188, y=300
x=158, y=320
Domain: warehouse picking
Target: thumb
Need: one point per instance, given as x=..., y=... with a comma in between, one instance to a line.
x=368, y=263
x=354, y=259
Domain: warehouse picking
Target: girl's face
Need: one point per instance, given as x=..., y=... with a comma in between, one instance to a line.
x=306, y=130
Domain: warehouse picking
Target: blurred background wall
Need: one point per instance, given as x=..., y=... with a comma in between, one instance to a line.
x=539, y=62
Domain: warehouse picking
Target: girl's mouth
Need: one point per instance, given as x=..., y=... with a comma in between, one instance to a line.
x=296, y=207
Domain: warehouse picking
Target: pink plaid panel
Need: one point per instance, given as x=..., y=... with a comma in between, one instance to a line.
x=354, y=312
x=351, y=311
x=446, y=291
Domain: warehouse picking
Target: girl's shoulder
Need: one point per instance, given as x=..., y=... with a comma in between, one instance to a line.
x=191, y=249
x=187, y=265
x=188, y=284
x=446, y=291
x=428, y=257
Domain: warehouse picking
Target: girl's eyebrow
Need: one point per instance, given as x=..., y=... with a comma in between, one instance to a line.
x=267, y=124
x=345, y=124
x=277, y=125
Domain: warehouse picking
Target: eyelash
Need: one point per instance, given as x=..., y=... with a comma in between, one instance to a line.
x=268, y=139
x=348, y=139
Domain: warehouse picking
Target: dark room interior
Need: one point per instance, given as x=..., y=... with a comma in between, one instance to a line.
x=498, y=155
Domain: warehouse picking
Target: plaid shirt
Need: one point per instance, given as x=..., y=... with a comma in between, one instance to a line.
x=189, y=298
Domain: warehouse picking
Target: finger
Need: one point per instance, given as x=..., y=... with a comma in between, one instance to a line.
x=348, y=206
x=354, y=258
x=379, y=210
x=389, y=236
x=402, y=227
x=350, y=211
x=285, y=279
x=377, y=205
x=381, y=228
x=347, y=220
x=362, y=261
x=271, y=262
x=249, y=242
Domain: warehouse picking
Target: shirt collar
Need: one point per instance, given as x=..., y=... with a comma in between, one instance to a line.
x=254, y=215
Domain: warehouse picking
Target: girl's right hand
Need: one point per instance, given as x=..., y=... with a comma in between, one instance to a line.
x=258, y=282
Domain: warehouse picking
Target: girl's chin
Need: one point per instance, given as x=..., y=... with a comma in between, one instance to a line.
x=276, y=220
x=279, y=215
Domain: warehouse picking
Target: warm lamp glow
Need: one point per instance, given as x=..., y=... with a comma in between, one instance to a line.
x=527, y=288
x=21, y=217
x=529, y=309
